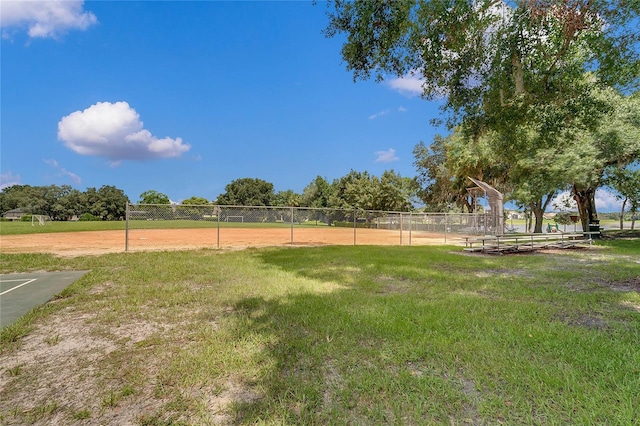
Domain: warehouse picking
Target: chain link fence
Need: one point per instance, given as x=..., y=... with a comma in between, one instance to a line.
x=163, y=226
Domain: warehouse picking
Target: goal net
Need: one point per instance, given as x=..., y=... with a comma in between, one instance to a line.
x=37, y=218
x=235, y=219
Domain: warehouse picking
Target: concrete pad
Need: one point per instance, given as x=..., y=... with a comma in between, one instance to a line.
x=19, y=293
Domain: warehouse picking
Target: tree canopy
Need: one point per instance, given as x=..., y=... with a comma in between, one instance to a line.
x=247, y=192
x=195, y=201
x=543, y=85
x=107, y=203
x=154, y=197
x=65, y=202
x=390, y=192
x=535, y=172
x=626, y=183
x=496, y=64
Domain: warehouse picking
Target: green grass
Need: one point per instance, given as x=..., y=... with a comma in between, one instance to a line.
x=18, y=228
x=346, y=335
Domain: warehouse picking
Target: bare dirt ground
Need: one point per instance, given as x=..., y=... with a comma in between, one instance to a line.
x=101, y=242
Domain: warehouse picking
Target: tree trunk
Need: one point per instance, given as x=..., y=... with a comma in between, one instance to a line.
x=538, y=213
x=622, y=214
x=518, y=74
x=586, y=200
x=469, y=204
x=538, y=208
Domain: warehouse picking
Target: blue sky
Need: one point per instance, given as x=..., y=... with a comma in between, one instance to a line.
x=185, y=97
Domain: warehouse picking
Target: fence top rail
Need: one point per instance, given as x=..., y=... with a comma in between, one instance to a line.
x=350, y=209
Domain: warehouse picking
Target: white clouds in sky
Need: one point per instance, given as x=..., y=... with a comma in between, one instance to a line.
x=409, y=85
x=605, y=201
x=115, y=131
x=8, y=179
x=385, y=112
x=44, y=19
x=64, y=172
x=378, y=114
x=386, y=156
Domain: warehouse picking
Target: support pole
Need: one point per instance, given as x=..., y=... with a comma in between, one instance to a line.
x=410, y=226
x=126, y=229
x=354, y=226
x=446, y=225
x=291, y=225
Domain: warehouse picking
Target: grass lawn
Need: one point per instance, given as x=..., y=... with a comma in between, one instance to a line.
x=16, y=228
x=330, y=335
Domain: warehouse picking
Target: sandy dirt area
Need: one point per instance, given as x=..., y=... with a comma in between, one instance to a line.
x=101, y=242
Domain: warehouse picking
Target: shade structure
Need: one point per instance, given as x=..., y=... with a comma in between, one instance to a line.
x=495, y=222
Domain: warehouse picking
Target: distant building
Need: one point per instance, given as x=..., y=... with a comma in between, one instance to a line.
x=15, y=214
x=514, y=214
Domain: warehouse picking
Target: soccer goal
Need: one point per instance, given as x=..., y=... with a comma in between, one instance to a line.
x=235, y=219
x=37, y=218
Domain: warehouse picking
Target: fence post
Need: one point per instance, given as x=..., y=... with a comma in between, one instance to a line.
x=218, y=214
x=446, y=225
x=400, y=228
x=354, y=226
x=410, y=226
x=126, y=229
x=292, y=225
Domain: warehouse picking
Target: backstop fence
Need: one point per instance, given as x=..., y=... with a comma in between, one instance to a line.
x=158, y=226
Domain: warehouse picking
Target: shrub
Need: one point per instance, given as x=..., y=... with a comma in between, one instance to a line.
x=87, y=217
x=350, y=224
x=563, y=218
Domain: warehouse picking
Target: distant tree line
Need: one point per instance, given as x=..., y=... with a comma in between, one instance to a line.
x=64, y=202
x=441, y=184
x=360, y=190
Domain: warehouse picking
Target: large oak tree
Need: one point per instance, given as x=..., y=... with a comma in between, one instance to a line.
x=247, y=192
x=501, y=66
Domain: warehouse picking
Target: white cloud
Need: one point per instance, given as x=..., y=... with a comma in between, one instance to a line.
x=605, y=202
x=8, y=179
x=115, y=131
x=378, y=114
x=564, y=202
x=64, y=172
x=409, y=85
x=43, y=19
x=402, y=109
x=386, y=156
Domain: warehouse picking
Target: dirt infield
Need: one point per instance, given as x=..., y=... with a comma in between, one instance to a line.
x=100, y=242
